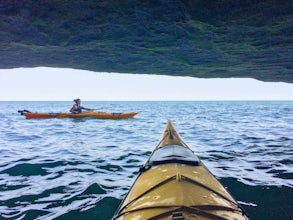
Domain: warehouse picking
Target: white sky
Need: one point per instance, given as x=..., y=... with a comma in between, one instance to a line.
x=55, y=84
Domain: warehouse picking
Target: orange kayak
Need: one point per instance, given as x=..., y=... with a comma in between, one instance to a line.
x=89, y=114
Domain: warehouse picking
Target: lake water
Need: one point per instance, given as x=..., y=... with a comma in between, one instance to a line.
x=81, y=169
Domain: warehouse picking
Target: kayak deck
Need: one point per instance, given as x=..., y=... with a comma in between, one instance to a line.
x=89, y=114
x=175, y=184
x=174, y=187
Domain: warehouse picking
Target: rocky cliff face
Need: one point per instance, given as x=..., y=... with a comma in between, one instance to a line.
x=209, y=38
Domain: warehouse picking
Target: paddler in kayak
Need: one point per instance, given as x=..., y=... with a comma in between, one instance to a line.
x=77, y=108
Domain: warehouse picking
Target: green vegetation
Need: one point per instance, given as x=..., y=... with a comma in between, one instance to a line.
x=188, y=38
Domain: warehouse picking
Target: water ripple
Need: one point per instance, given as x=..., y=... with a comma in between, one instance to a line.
x=64, y=168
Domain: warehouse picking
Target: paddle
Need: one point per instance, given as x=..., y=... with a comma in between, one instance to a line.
x=88, y=110
x=94, y=109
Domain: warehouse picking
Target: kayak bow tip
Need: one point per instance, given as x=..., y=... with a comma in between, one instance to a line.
x=170, y=137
